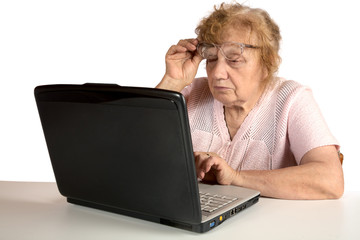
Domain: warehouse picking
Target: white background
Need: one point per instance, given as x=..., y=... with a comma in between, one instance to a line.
x=124, y=42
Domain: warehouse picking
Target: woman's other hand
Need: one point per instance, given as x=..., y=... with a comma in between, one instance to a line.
x=211, y=168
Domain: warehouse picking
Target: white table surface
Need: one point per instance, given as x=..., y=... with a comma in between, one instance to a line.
x=31, y=210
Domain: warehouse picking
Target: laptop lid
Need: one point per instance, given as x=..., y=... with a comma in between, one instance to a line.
x=127, y=150
x=121, y=147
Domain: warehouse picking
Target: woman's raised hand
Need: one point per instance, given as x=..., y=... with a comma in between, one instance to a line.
x=182, y=63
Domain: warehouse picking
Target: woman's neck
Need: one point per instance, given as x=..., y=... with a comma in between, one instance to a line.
x=234, y=119
x=235, y=115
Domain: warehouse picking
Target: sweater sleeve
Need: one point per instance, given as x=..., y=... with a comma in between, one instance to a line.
x=307, y=128
x=198, y=84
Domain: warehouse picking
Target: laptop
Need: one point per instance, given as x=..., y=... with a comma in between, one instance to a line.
x=128, y=150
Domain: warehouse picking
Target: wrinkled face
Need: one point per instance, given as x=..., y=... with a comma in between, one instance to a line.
x=235, y=78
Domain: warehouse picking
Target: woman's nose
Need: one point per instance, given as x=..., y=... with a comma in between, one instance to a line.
x=219, y=69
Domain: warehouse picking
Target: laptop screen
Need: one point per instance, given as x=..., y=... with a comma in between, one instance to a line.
x=121, y=147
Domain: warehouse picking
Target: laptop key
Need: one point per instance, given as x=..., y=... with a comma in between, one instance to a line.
x=210, y=203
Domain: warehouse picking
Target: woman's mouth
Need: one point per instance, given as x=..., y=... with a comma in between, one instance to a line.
x=221, y=88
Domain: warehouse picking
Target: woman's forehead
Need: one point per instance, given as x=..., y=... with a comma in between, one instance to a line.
x=238, y=34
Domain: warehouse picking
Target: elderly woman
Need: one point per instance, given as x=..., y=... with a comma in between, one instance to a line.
x=250, y=128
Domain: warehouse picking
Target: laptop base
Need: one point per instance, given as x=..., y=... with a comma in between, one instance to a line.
x=199, y=228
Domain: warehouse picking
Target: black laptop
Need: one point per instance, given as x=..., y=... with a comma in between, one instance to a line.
x=128, y=150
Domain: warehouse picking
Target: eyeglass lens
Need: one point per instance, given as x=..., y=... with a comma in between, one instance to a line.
x=230, y=51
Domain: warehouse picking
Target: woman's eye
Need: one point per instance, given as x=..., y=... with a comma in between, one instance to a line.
x=237, y=59
x=236, y=62
x=234, y=57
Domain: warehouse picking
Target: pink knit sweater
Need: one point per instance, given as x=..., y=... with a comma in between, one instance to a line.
x=285, y=124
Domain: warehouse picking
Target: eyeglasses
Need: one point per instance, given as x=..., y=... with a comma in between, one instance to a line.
x=232, y=51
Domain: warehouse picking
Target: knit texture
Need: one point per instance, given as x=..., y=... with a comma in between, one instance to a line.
x=282, y=127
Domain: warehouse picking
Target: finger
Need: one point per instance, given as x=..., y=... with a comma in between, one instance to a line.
x=196, y=154
x=208, y=163
x=194, y=41
x=203, y=166
x=176, y=49
x=200, y=175
x=179, y=56
x=199, y=160
x=197, y=58
x=201, y=156
x=189, y=44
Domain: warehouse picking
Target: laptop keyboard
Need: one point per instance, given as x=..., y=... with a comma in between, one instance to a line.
x=212, y=202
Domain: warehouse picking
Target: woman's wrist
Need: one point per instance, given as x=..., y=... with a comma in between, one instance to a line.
x=237, y=179
x=171, y=84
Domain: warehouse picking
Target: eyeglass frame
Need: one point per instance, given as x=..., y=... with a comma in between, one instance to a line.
x=219, y=47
